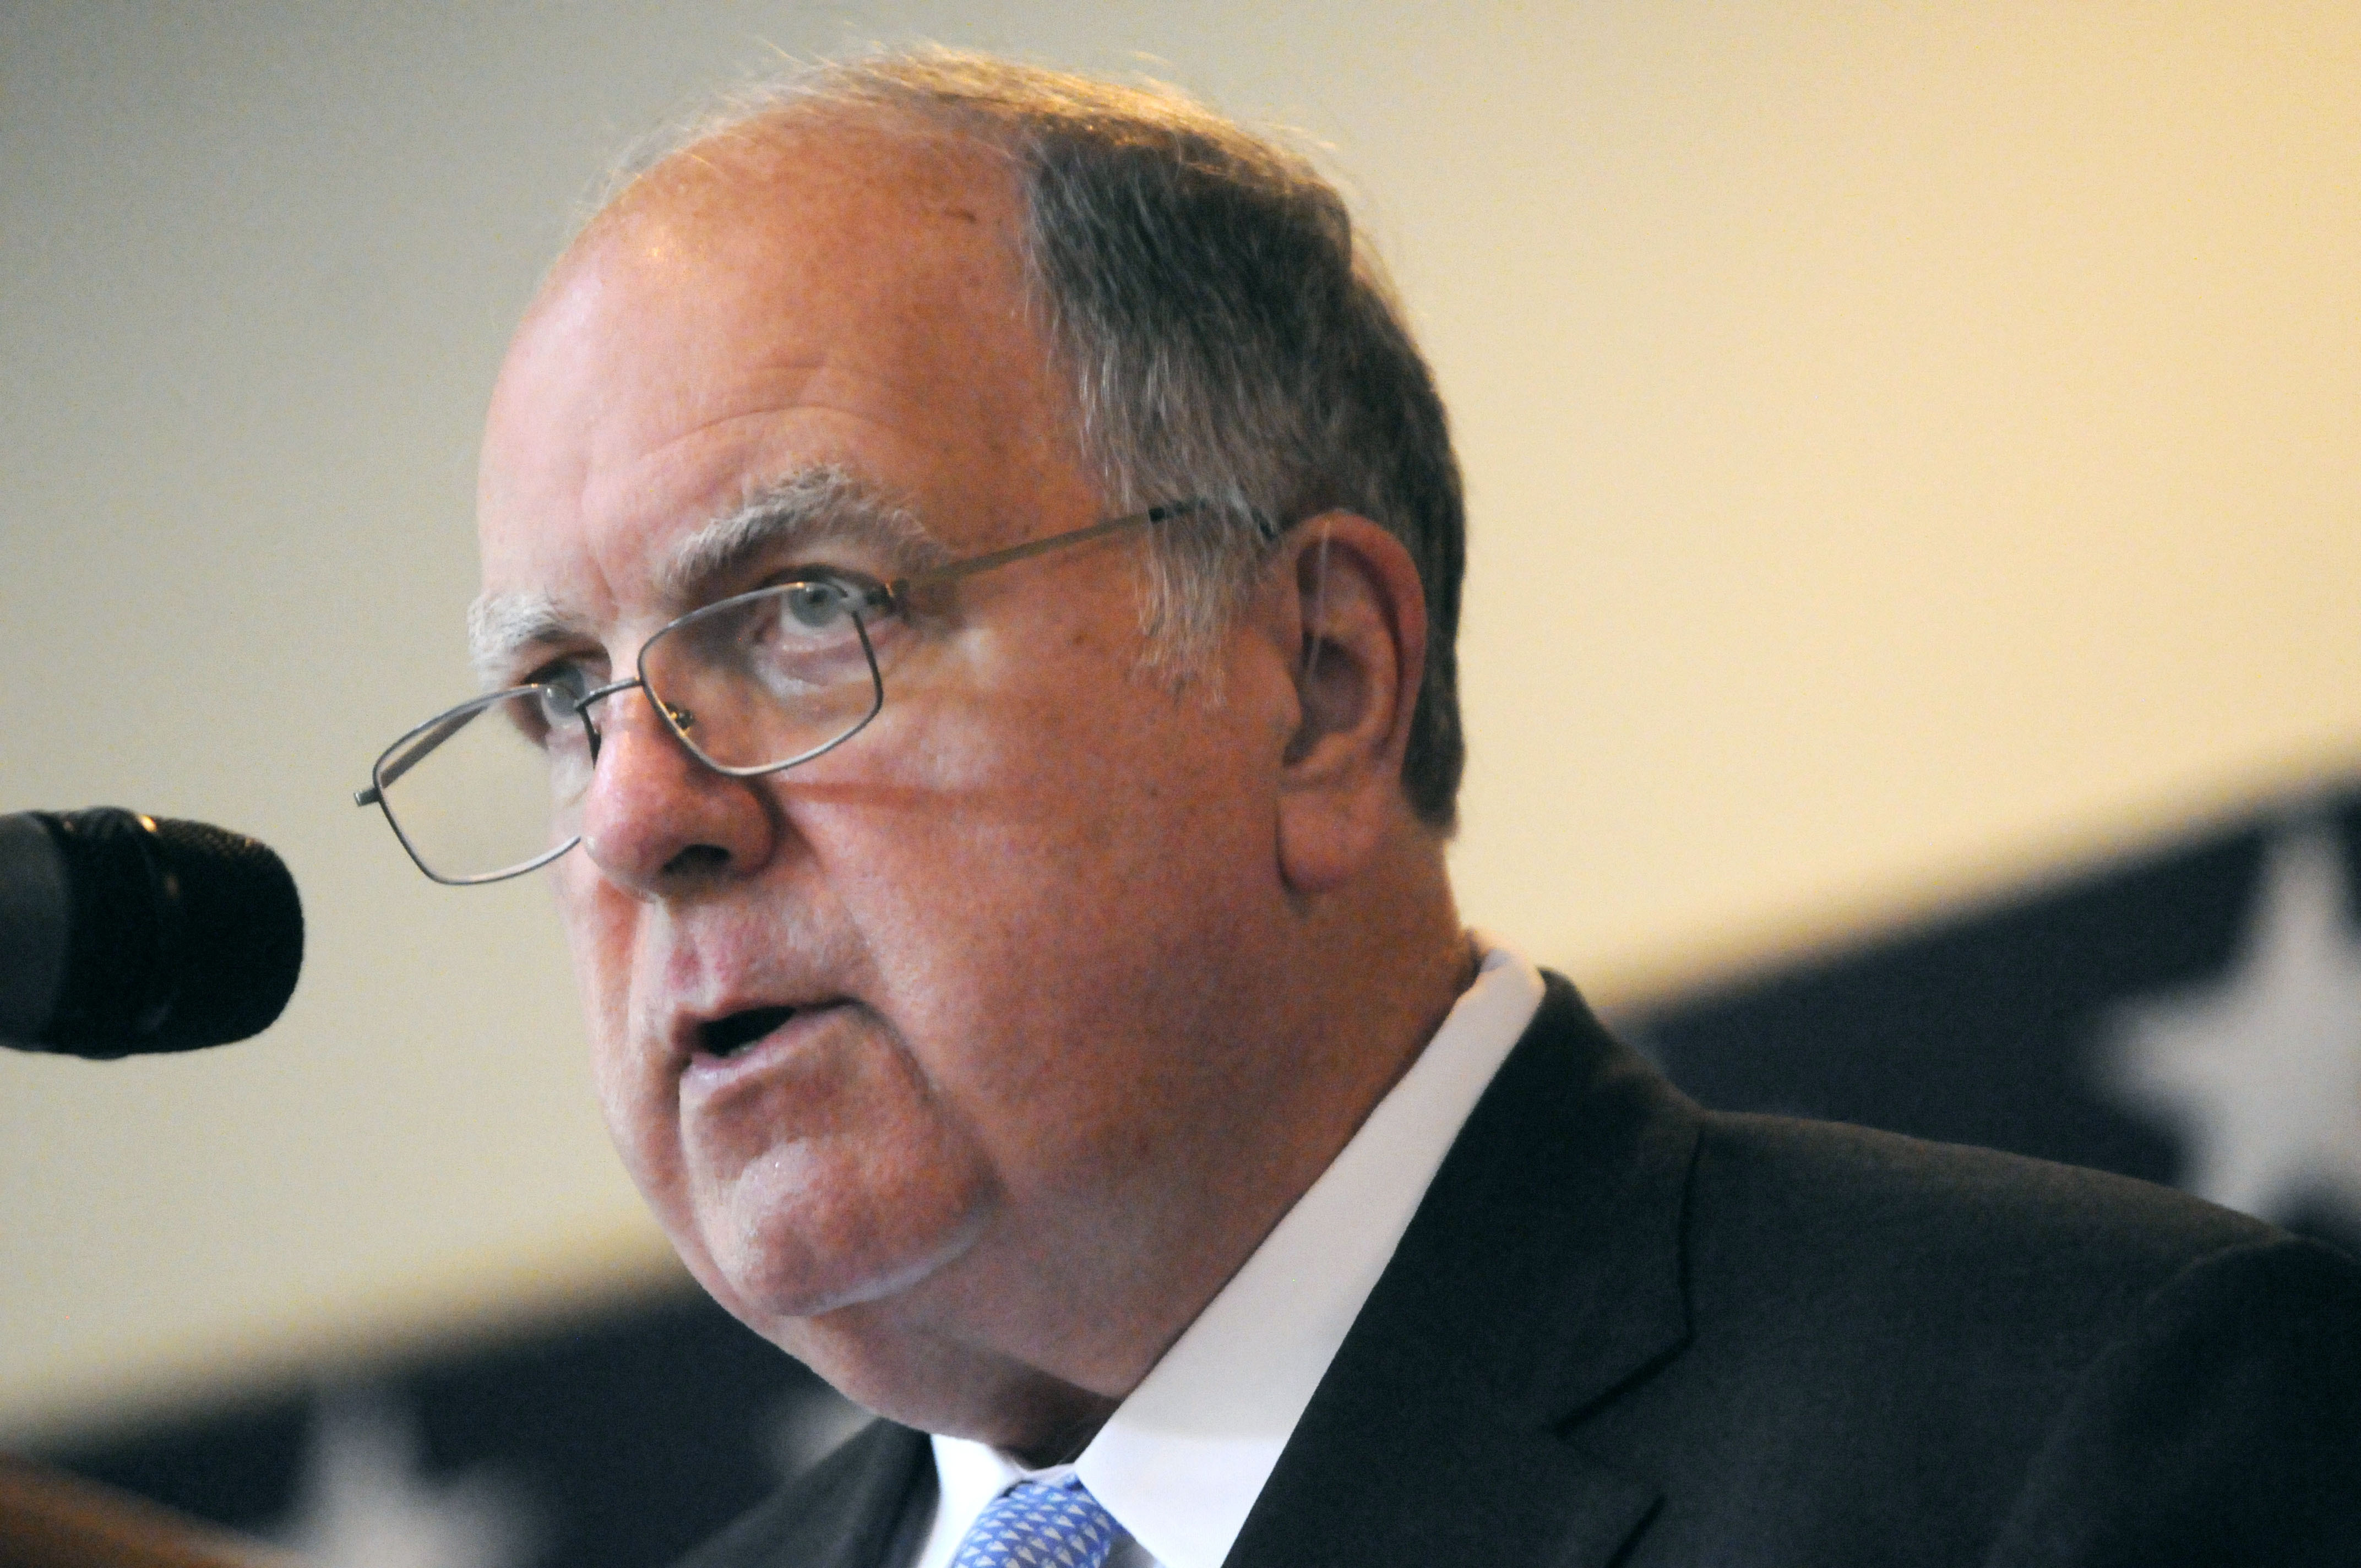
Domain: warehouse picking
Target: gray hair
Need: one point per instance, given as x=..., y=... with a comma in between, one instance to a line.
x=1227, y=335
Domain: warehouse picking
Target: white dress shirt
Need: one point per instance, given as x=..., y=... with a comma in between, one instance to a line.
x=1183, y=1458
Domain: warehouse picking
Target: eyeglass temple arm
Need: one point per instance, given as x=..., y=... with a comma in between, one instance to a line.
x=434, y=735
x=894, y=592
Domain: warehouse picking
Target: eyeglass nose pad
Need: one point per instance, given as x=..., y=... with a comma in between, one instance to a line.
x=682, y=720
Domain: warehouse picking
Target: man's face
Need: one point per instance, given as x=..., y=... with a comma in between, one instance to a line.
x=1000, y=912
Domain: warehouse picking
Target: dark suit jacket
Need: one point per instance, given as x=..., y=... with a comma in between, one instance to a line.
x=1621, y=1330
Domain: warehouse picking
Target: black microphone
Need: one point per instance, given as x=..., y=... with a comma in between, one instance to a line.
x=122, y=934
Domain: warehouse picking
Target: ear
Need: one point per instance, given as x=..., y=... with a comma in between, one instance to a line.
x=1353, y=617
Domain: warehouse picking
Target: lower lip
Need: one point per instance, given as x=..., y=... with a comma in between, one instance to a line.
x=711, y=1074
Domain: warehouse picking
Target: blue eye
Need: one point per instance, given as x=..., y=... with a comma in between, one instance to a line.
x=560, y=684
x=557, y=689
x=817, y=605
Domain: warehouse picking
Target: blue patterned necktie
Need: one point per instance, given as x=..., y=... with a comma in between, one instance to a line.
x=1034, y=1525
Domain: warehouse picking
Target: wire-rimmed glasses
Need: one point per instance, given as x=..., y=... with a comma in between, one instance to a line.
x=750, y=685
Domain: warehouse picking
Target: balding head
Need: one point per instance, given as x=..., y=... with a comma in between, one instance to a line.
x=775, y=226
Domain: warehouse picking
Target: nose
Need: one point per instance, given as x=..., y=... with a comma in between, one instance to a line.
x=657, y=822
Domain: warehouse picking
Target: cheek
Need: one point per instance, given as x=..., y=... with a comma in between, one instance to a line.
x=601, y=929
x=1058, y=898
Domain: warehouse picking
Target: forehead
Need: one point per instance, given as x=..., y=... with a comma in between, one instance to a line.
x=758, y=308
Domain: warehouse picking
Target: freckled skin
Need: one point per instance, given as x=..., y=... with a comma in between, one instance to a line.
x=1120, y=968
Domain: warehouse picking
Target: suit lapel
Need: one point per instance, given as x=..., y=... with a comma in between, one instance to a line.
x=843, y=1513
x=1541, y=1274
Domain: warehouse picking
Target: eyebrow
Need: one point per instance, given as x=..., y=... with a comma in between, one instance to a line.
x=502, y=626
x=818, y=504
x=823, y=504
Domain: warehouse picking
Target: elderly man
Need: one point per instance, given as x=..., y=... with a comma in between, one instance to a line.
x=970, y=564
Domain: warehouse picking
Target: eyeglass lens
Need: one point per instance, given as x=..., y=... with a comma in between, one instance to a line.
x=767, y=678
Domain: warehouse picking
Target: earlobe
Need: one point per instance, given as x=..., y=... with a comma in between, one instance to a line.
x=1358, y=623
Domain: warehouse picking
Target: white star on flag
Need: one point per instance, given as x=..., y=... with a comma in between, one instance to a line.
x=365, y=1504
x=2261, y=1074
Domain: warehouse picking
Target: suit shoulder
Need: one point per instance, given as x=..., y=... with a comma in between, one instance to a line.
x=1918, y=1216
x=839, y=1514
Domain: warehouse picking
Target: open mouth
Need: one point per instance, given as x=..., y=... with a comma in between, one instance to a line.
x=727, y=1037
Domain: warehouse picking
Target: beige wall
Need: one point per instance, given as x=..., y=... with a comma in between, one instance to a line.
x=1908, y=445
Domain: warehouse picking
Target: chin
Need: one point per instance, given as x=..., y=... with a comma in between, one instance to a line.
x=924, y=1379
x=773, y=1272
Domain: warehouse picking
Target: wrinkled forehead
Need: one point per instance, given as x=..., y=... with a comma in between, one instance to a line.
x=756, y=310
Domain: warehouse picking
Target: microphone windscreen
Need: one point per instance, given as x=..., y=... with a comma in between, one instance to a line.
x=242, y=933
x=184, y=934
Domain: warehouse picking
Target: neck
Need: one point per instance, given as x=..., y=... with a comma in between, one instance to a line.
x=1031, y=1353
x=1358, y=1002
